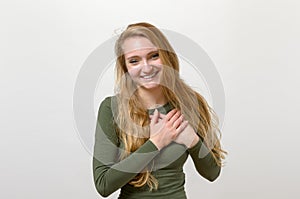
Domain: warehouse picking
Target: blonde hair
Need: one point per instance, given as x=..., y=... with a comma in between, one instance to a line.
x=132, y=117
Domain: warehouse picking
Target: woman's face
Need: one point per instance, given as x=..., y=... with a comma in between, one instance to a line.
x=142, y=61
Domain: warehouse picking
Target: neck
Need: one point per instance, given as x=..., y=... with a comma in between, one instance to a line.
x=152, y=98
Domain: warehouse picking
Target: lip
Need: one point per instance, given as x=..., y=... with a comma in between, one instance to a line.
x=151, y=76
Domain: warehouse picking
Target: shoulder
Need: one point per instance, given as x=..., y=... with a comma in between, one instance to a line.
x=106, y=108
x=107, y=103
x=106, y=100
x=106, y=118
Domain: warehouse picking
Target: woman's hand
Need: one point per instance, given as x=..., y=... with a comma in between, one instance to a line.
x=187, y=137
x=167, y=129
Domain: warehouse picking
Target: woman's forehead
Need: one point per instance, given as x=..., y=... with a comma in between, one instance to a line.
x=134, y=44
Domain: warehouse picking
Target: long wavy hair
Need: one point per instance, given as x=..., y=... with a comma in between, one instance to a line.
x=132, y=117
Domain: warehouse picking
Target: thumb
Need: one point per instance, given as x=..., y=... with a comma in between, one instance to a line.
x=155, y=117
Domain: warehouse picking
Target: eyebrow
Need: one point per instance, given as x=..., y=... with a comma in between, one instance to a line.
x=153, y=51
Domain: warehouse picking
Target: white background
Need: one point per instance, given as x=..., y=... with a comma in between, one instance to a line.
x=254, y=44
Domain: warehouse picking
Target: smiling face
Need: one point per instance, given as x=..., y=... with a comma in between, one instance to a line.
x=142, y=62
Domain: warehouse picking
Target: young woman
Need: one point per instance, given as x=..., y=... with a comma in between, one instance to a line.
x=146, y=131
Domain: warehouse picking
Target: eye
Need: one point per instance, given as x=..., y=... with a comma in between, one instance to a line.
x=155, y=55
x=133, y=61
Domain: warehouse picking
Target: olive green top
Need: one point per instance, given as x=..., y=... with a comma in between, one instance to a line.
x=111, y=174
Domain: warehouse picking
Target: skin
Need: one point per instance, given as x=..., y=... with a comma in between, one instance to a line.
x=142, y=59
x=188, y=136
x=144, y=67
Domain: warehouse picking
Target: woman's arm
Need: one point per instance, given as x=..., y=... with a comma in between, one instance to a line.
x=109, y=174
x=204, y=161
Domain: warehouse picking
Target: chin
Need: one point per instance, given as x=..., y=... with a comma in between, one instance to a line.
x=150, y=85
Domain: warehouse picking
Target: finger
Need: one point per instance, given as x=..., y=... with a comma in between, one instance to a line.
x=175, y=117
x=177, y=122
x=182, y=126
x=161, y=116
x=154, y=117
x=170, y=114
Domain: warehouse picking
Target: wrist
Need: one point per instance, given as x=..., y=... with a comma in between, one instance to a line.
x=156, y=143
x=194, y=142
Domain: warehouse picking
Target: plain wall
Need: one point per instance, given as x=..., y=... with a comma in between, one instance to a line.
x=254, y=44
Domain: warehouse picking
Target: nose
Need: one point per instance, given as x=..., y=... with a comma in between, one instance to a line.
x=146, y=68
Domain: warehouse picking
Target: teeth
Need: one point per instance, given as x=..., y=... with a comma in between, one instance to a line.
x=149, y=76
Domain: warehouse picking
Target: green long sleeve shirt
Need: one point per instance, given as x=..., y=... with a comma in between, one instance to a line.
x=111, y=174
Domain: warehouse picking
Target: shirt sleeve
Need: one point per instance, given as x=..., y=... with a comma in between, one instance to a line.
x=109, y=173
x=204, y=161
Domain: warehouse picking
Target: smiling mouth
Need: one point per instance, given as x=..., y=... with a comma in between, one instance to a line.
x=148, y=77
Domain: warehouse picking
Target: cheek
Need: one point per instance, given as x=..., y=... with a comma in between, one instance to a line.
x=133, y=72
x=158, y=63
